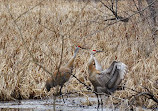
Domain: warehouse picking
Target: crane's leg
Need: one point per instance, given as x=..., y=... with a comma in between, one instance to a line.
x=61, y=94
x=98, y=100
x=101, y=102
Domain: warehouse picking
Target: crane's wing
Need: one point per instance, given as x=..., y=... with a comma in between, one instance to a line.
x=110, y=69
x=112, y=76
x=116, y=75
x=102, y=79
x=119, y=65
x=122, y=68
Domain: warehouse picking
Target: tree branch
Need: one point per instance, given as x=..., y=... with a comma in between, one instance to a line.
x=148, y=94
x=61, y=57
x=28, y=10
x=43, y=68
x=16, y=25
x=123, y=19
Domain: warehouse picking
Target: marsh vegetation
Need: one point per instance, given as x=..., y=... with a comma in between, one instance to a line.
x=33, y=32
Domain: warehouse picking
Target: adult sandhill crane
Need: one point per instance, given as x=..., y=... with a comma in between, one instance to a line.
x=105, y=81
x=62, y=75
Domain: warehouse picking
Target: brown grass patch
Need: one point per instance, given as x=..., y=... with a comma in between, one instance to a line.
x=130, y=42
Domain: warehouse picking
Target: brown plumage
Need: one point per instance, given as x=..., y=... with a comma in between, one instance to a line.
x=58, y=78
x=108, y=80
x=62, y=75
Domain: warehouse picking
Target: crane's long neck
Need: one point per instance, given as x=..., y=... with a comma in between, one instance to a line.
x=90, y=64
x=97, y=65
x=71, y=61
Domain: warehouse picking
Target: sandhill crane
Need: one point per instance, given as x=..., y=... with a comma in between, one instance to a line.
x=105, y=81
x=62, y=75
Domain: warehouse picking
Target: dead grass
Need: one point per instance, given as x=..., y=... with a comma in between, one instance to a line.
x=129, y=42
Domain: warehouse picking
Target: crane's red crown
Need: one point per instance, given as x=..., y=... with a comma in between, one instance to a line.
x=79, y=46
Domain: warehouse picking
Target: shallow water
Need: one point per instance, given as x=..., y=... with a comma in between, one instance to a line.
x=75, y=103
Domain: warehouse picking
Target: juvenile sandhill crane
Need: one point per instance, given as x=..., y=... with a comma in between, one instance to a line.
x=62, y=75
x=105, y=81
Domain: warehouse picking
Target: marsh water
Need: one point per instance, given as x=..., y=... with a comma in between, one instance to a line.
x=74, y=103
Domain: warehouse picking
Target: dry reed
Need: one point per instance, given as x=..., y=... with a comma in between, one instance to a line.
x=42, y=28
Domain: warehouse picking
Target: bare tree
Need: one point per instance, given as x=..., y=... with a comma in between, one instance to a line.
x=153, y=10
x=153, y=17
x=113, y=8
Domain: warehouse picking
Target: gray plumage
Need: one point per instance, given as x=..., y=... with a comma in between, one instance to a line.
x=108, y=80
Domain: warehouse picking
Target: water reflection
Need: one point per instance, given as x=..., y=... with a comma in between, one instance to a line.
x=72, y=104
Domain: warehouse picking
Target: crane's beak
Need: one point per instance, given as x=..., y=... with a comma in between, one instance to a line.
x=82, y=47
x=99, y=51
